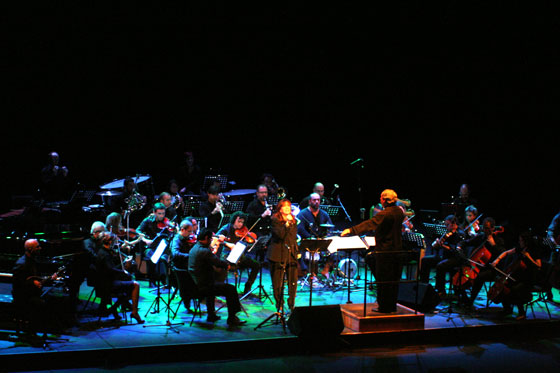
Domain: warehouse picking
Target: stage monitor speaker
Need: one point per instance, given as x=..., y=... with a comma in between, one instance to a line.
x=427, y=297
x=316, y=321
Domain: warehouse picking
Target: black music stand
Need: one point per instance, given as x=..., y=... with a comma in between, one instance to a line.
x=211, y=179
x=260, y=244
x=313, y=246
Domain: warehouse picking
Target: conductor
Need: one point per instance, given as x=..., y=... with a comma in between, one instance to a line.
x=387, y=225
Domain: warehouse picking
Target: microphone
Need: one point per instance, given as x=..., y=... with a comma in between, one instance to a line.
x=336, y=186
x=356, y=161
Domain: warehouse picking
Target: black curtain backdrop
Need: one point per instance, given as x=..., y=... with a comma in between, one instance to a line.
x=430, y=97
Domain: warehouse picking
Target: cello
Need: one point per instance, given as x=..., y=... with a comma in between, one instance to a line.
x=466, y=275
x=502, y=286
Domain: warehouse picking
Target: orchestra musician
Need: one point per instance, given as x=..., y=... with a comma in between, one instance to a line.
x=487, y=239
x=524, y=270
x=176, y=199
x=152, y=230
x=553, y=259
x=181, y=245
x=113, y=279
x=212, y=209
x=445, y=257
x=202, y=264
x=236, y=230
x=166, y=199
x=282, y=254
x=260, y=212
x=318, y=188
x=28, y=287
x=314, y=223
x=387, y=225
x=54, y=179
x=470, y=224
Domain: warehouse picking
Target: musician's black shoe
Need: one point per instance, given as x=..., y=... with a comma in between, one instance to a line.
x=212, y=317
x=234, y=321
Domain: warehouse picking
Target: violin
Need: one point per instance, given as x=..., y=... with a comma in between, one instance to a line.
x=246, y=235
x=166, y=224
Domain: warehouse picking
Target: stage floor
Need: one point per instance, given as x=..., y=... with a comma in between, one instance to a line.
x=97, y=343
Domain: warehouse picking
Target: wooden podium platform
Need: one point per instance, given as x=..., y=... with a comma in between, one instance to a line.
x=404, y=319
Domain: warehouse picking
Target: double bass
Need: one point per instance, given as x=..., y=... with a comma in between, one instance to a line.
x=466, y=275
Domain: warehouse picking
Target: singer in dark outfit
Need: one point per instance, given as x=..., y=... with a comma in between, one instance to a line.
x=282, y=253
x=387, y=225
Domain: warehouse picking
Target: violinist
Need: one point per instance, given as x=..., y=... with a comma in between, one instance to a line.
x=524, y=270
x=202, y=264
x=487, y=241
x=212, y=209
x=113, y=279
x=445, y=257
x=470, y=224
x=166, y=199
x=181, y=245
x=232, y=233
x=152, y=230
x=260, y=212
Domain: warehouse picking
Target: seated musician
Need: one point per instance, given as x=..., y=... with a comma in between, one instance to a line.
x=166, y=199
x=489, y=240
x=29, y=292
x=314, y=223
x=202, y=264
x=180, y=247
x=259, y=212
x=553, y=257
x=471, y=225
x=152, y=230
x=113, y=279
x=319, y=189
x=445, y=257
x=232, y=233
x=524, y=270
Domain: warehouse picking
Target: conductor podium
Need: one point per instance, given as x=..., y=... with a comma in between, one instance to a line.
x=362, y=317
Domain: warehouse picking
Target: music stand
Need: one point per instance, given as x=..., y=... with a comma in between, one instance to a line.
x=211, y=179
x=313, y=246
x=349, y=244
x=333, y=211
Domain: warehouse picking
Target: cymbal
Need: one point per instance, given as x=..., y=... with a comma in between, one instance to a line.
x=327, y=225
x=109, y=193
x=239, y=192
x=119, y=183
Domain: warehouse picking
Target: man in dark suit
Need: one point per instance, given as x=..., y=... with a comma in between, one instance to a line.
x=203, y=263
x=387, y=225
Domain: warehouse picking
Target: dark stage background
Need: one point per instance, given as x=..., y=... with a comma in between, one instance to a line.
x=429, y=97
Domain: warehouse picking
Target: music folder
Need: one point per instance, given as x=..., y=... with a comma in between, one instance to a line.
x=236, y=251
x=350, y=243
x=159, y=250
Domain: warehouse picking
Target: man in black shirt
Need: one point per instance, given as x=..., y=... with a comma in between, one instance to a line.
x=181, y=245
x=387, y=225
x=259, y=212
x=202, y=262
x=212, y=209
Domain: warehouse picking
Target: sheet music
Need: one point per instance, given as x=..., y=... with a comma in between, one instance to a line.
x=349, y=243
x=237, y=250
x=160, y=248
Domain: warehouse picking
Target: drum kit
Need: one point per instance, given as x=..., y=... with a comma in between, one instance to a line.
x=115, y=188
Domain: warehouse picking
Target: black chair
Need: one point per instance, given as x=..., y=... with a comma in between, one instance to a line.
x=540, y=289
x=105, y=297
x=187, y=286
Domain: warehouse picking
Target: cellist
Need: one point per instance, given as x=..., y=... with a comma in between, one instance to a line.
x=523, y=269
x=489, y=242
